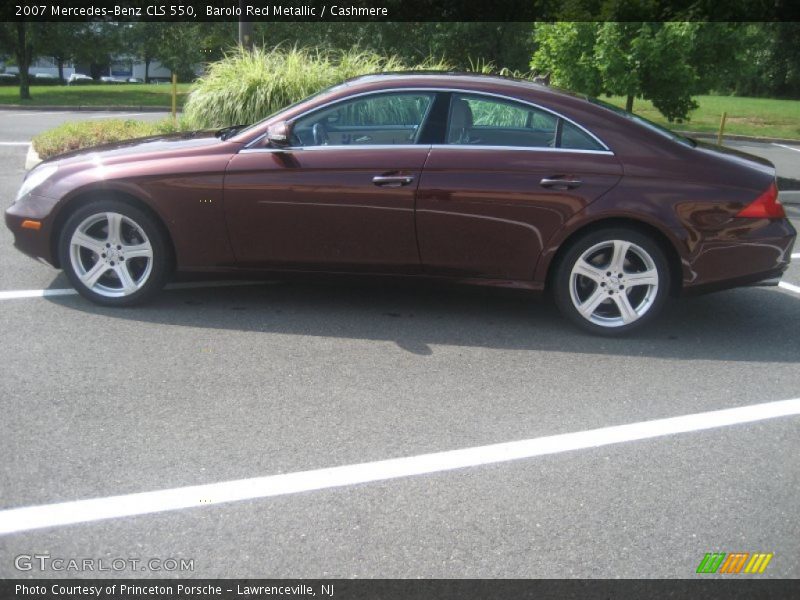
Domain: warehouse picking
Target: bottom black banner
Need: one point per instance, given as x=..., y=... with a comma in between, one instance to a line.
x=396, y=589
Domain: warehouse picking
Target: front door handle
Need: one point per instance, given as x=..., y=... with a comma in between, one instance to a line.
x=560, y=182
x=392, y=180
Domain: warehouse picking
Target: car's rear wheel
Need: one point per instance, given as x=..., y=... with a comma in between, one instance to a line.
x=612, y=281
x=113, y=253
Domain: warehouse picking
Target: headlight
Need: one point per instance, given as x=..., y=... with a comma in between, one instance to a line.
x=34, y=179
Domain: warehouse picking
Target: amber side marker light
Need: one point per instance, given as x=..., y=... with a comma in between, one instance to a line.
x=28, y=224
x=766, y=206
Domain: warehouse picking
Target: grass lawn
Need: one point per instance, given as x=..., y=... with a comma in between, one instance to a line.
x=746, y=116
x=131, y=94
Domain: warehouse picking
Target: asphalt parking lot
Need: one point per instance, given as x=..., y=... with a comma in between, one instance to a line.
x=208, y=385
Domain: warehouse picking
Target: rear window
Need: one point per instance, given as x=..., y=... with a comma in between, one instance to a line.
x=645, y=123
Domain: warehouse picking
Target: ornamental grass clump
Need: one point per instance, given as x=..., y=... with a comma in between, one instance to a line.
x=246, y=86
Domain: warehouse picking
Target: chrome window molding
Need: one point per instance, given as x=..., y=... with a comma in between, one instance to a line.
x=336, y=147
x=522, y=148
x=606, y=150
x=425, y=146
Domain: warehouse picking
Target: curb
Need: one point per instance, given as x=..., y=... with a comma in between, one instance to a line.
x=32, y=159
x=81, y=108
x=737, y=137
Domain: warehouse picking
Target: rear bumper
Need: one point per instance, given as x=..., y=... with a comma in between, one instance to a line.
x=771, y=282
x=755, y=253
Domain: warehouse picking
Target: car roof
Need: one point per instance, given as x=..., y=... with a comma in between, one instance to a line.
x=439, y=78
x=470, y=80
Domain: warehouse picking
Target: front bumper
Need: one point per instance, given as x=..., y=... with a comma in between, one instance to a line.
x=34, y=243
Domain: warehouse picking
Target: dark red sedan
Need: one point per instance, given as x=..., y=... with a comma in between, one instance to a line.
x=482, y=180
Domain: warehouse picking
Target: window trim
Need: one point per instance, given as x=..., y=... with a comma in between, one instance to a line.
x=436, y=90
x=559, y=125
x=417, y=133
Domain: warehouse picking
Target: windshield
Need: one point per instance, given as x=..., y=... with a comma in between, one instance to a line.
x=645, y=123
x=280, y=110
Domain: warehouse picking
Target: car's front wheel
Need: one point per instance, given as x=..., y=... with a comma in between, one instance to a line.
x=113, y=253
x=612, y=281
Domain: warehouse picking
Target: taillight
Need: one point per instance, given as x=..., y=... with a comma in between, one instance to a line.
x=766, y=206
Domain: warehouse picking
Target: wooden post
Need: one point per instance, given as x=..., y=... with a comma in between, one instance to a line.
x=245, y=28
x=174, y=97
x=721, y=127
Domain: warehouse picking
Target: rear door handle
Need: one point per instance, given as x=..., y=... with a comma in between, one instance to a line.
x=392, y=180
x=560, y=182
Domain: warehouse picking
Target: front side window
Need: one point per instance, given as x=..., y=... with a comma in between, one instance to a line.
x=383, y=119
x=486, y=121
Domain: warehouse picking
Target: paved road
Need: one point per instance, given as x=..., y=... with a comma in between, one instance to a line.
x=217, y=384
x=22, y=125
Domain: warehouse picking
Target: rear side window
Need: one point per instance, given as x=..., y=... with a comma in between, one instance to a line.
x=577, y=139
x=486, y=121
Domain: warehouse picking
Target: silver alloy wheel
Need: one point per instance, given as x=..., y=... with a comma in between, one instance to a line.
x=613, y=283
x=111, y=254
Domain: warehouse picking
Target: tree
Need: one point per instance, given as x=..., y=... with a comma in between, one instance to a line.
x=768, y=60
x=18, y=39
x=60, y=40
x=645, y=60
x=142, y=39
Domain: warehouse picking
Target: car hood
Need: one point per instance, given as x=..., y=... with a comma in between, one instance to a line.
x=153, y=147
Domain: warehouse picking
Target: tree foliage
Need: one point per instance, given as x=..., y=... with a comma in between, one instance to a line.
x=670, y=62
x=644, y=60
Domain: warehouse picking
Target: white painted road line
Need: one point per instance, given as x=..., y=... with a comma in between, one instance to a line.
x=789, y=286
x=16, y=520
x=19, y=294
x=787, y=147
x=796, y=255
x=15, y=143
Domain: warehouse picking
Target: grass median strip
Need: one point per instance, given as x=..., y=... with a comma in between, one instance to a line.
x=76, y=135
x=129, y=94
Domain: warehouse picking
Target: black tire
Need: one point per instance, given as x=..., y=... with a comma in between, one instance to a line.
x=90, y=255
x=587, y=283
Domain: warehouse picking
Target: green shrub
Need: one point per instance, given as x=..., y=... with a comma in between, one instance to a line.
x=85, y=134
x=245, y=87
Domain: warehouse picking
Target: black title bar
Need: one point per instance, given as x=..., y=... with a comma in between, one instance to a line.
x=399, y=10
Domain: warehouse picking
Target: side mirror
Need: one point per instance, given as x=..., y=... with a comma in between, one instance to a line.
x=278, y=134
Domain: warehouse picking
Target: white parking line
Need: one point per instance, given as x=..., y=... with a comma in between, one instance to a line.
x=19, y=294
x=789, y=286
x=84, y=511
x=787, y=147
x=796, y=255
x=15, y=143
